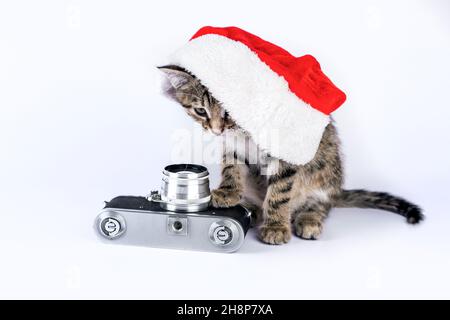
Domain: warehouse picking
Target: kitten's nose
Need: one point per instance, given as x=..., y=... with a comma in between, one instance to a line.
x=217, y=131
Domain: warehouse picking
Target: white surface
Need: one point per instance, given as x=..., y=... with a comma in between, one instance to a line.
x=81, y=121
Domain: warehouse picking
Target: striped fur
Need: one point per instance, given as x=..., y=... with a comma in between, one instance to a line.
x=281, y=196
x=379, y=200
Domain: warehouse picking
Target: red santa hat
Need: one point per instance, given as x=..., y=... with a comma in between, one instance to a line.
x=265, y=89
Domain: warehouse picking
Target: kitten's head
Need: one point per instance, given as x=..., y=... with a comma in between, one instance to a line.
x=196, y=100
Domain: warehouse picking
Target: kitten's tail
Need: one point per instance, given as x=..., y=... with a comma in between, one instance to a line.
x=379, y=200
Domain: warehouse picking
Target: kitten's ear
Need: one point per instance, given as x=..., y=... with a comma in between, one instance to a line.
x=176, y=76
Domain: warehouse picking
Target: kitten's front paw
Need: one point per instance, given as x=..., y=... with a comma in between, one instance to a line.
x=308, y=229
x=275, y=234
x=224, y=199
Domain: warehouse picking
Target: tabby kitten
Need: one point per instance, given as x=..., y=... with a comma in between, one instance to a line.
x=279, y=194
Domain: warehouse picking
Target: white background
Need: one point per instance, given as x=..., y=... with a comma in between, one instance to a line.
x=82, y=120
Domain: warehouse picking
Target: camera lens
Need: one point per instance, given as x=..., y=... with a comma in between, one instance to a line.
x=177, y=225
x=185, y=188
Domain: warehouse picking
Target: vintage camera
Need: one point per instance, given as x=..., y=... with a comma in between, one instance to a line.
x=178, y=217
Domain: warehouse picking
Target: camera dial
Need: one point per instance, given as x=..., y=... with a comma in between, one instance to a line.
x=111, y=225
x=223, y=232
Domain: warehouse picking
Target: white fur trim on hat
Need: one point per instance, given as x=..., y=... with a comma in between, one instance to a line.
x=257, y=98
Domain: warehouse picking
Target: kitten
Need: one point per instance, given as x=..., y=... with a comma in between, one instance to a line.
x=279, y=194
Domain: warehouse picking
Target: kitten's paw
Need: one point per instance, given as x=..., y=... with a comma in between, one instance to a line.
x=275, y=234
x=308, y=229
x=223, y=198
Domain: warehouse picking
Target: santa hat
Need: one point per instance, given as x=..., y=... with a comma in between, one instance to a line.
x=265, y=89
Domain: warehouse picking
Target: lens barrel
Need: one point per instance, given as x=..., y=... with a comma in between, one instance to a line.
x=185, y=188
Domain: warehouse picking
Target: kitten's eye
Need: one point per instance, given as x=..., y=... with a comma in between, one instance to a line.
x=200, y=111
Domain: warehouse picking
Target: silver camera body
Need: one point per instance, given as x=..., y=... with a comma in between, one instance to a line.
x=177, y=217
